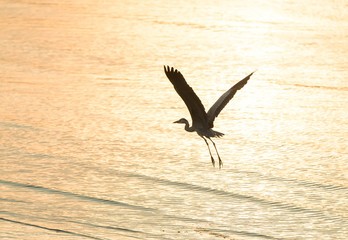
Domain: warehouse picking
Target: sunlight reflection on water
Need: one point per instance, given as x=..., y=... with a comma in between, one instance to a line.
x=88, y=148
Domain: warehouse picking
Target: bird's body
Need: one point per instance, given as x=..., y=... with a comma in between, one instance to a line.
x=202, y=121
x=200, y=131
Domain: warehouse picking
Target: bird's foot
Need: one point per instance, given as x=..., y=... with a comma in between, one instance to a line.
x=220, y=163
x=212, y=161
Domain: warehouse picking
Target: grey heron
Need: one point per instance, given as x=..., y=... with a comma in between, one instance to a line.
x=202, y=121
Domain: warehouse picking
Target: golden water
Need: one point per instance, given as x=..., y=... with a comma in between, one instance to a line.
x=87, y=144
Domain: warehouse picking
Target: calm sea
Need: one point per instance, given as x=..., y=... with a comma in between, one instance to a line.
x=87, y=145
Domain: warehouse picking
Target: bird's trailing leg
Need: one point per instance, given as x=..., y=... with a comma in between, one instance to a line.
x=220, y=162
x=212, y=159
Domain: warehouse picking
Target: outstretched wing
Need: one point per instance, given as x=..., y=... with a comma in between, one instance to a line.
x=193, y=103
x=224, y=99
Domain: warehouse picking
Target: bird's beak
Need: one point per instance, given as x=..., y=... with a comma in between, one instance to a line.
x=176, y=121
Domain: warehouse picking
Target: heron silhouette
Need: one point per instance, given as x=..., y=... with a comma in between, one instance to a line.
x=202, y=121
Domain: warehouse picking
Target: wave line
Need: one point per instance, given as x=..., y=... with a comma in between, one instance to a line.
x=54, y=191
x=50, y=229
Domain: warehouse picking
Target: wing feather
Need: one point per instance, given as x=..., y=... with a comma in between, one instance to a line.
x=193, y=103
x=224, y=99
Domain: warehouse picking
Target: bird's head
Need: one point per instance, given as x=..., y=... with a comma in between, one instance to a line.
x=181, y=120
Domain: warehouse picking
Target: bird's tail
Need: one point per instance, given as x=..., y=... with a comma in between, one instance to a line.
x=218, y=134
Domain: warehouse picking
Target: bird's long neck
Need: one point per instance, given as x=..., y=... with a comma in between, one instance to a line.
x=187, y=126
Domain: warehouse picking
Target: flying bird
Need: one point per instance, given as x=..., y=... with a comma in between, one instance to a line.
x=202, y=121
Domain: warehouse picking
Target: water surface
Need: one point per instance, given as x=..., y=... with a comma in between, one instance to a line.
x=87, y=144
